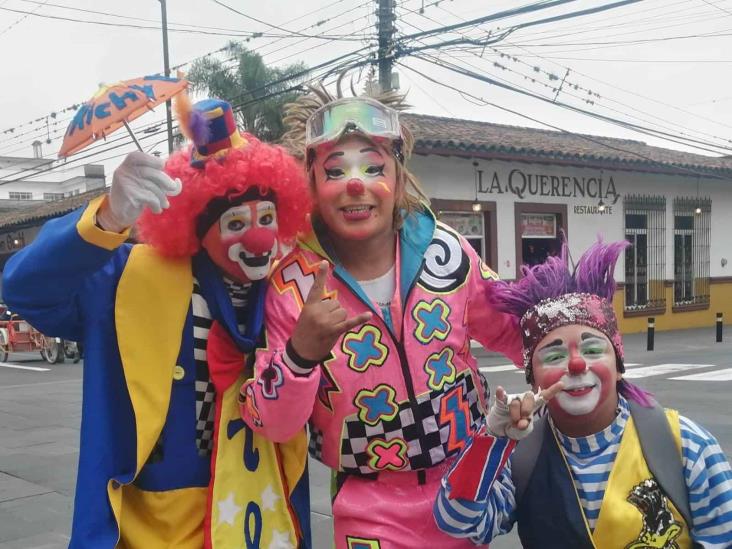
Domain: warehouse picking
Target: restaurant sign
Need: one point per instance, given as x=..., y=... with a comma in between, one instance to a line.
x=525, y=184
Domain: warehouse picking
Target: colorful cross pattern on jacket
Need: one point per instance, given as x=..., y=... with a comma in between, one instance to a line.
x=431, y=320
x=390, y=441
x=364, y=348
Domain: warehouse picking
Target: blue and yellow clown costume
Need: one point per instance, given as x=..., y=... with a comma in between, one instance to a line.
x=165, y=460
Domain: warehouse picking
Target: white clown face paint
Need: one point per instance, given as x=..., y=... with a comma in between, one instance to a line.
x=581, y=393
x=355, y=188
x=584, y=360
x=244, y=241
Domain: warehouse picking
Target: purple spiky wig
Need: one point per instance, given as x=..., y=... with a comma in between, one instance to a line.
x=552, y=295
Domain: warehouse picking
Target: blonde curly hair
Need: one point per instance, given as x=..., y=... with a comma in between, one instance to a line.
x=409, y=195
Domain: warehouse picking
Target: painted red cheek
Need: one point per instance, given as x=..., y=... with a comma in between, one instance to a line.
x=355, y=187
x=547, y=378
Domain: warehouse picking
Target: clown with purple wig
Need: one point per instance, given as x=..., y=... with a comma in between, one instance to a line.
x=591, y=460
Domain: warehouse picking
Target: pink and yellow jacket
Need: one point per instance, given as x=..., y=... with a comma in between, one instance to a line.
x=400, y=392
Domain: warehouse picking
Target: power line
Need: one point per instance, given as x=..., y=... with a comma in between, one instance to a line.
x=74, y=107
x=612, y=44
x=564, y=32
x=126, y=141
x=717, y=7
x=132, y=26
x=629, y=92
x=20, y=19
x=624, y=124
x=680, y=170
x=293, y=33
x=606, y=60
x=513, y=57
x=590, y=92
x=127, y=17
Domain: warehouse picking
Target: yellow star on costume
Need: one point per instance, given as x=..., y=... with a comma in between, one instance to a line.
x=228, y=509
x=280, y=540
x=269, y=498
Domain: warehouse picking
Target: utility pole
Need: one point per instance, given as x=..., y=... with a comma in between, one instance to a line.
x=166, y=62
x=385, y=26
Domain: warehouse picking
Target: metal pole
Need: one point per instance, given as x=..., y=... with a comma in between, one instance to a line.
x=132, y=134
x=385, y=27
x=651, y=332
x=720, y=320
x=166, y=62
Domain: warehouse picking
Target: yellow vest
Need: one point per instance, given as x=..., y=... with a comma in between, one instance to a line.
x=635, y=514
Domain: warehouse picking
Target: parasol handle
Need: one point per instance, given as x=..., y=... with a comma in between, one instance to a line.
x=132, y=134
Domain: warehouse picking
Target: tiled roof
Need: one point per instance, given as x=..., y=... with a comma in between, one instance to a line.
x=452, y=136
x=47, y=210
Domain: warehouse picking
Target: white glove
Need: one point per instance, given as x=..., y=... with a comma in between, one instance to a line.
x=499, y=422
x=138, y=183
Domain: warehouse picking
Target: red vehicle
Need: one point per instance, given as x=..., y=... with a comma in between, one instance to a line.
x=17, y=336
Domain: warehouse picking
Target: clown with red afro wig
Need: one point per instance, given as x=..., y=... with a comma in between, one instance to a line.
x=257, y=188
x=168, y=326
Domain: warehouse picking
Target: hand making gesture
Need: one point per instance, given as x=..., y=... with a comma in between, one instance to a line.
x=321, y=321
x=511, y=415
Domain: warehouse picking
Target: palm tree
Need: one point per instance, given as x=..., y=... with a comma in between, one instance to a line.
x=256, y=92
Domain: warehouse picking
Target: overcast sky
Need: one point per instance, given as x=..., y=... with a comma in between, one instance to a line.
x=660, y=64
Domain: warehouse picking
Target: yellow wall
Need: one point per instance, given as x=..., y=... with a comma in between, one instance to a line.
x=720, y=302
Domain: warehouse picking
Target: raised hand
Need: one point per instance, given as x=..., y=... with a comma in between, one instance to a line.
x=321, y=321
x=511, y=415
x=137, y=183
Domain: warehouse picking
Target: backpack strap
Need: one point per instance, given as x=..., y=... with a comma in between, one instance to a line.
x=525, y=455
x=662, y=455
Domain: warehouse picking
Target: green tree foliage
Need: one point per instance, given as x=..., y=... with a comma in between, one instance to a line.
x=250, y=86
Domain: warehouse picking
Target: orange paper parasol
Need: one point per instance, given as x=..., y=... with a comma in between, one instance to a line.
x=114, y=106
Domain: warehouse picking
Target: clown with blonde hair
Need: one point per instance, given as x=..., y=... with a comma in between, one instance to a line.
x=168, y=327
x=369, y=323
x=605, y=466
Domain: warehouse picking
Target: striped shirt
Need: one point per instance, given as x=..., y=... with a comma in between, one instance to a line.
x=205, y=393
x=706, y=471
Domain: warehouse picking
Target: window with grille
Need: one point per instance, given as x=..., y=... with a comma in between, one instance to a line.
x=692, y=218
x=53, y=196
x=15, y=195
x=645, y=228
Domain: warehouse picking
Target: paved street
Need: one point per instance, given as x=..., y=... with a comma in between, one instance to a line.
x=40, y=414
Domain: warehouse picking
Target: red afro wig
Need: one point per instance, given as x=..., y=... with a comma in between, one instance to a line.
x=257, y=165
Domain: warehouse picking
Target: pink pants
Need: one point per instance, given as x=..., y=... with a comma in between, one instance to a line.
x=392, y=512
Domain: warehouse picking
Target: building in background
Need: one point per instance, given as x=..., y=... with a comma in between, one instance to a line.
x=512, y=190
x=38, y=179
x=33, y=190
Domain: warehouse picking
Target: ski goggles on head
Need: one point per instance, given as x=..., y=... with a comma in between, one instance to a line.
x=361, y=115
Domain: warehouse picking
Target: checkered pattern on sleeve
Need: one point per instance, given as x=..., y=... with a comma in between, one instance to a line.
x=205, y=392
x=424, y=449
x=315, y=445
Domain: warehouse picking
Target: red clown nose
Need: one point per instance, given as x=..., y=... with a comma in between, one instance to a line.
x=258, y=240
x=355, y=187
x=577, y=365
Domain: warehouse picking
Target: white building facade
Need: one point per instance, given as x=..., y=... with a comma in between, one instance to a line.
x=528, y=185
x=25, y=179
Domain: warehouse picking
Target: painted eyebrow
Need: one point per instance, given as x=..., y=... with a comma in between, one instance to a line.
x=331, y=155
x=554, y=343
x=370, y=149
x=588, y=335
